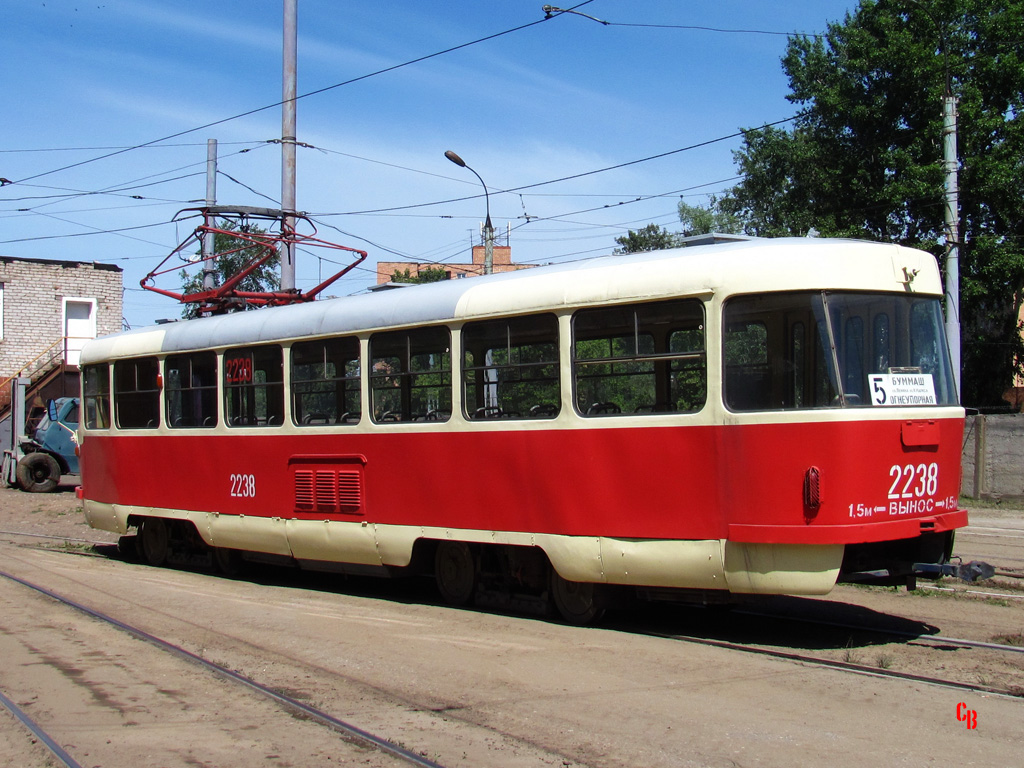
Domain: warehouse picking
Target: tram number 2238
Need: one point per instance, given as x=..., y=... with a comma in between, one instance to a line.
x=243, y=486
x=913, y=480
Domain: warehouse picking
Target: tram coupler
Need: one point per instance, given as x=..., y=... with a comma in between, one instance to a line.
x=973, y=571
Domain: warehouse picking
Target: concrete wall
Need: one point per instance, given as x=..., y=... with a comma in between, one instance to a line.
x=33, y=307
x=999, y=441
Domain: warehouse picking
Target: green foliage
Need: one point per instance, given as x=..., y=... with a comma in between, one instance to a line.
x=424, y=275
x=653, y=237
x=864, y=158
x=234, y=255
x=698, y=220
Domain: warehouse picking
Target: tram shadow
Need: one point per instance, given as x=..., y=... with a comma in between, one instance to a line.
x=798, y=623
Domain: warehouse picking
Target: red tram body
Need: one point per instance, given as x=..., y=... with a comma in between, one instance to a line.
x=761, y=417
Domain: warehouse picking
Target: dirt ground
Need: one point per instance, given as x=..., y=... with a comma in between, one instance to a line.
x=472, y=688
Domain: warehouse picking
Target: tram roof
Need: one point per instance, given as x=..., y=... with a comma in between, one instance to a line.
x=752, y=266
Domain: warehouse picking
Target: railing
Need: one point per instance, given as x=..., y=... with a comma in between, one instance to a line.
x=58, y=351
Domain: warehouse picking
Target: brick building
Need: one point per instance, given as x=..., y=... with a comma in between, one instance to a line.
x=501, y=262
x=48, y=309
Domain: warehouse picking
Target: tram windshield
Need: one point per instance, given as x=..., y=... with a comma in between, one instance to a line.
x=826, y=349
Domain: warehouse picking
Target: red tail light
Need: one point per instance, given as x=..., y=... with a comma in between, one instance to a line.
x=812, y=492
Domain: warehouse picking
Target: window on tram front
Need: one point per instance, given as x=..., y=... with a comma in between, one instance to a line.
x=826, y=349
x=190, y=390
x=510, y=368
x=254, y=387
x=640, y=359
x=325, y=381
x=96, y=396
x=137, y=393
x=411, y=375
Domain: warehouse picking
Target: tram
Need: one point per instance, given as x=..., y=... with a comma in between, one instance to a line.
x=756, y=417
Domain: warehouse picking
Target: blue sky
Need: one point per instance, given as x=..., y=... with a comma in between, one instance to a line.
x=561, y=98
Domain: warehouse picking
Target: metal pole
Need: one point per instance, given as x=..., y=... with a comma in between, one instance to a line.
x=209, y=247
x=488, y=228
x=488, y=246
x=288, y=140
x=952, y=213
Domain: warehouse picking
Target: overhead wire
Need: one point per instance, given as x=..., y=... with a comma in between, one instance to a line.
x=571, y=177
x=305, y=95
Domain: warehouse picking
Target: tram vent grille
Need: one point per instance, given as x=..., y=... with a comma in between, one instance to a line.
x=328, y=490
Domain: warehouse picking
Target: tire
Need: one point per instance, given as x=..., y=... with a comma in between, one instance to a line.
x=455, y=572
x=154, y=541
x=578, y=603
x=38, y=473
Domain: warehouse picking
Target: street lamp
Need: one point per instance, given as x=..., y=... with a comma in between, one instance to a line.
x=488, y=229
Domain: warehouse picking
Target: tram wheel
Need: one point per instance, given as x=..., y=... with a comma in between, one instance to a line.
x=154, y=541
x=578, y=603
x=228, y=561
x=455, y=572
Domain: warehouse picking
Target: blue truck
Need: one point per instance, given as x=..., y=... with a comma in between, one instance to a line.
x=37, y=462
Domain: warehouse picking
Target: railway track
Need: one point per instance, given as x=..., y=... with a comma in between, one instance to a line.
x=348, y=731
x=45, y=739
x=845, y=666
x=914, y=638
x=467, y=701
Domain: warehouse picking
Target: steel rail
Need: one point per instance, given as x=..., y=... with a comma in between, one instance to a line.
x=59, y=538
x=39, y=733
x=347, y=729
x=935, y=639
x=842, y=666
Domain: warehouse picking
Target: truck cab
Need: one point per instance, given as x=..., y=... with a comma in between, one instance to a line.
x=37, y=462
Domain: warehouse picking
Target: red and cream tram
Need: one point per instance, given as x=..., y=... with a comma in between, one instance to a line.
x=759, y=417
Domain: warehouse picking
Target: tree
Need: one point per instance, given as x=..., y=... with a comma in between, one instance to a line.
x=424, y=275
x=653, y=237
x=235, y=254
x=698, y=220
x=863, y=158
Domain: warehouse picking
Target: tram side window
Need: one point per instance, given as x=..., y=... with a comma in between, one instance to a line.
x=510, y=368
x=137, y=393
x=190, y=390
x=411, y=375
x=640, y=359
x=325, y=381
x=254, y=387
x=96, y=396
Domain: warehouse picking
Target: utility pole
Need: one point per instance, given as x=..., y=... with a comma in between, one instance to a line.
x=952, y=214
x=488, y=246
x=289, y=93
x=208, y=245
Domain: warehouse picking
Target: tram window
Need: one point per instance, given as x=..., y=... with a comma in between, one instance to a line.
x=880, y=339
x=854, y=380
x=190, y=390
x=253, y=387
x=813, y=348
x=96, y=396
x=325, y=381
x=137, y=393
x=798, y=352
x=510, y=368
x=640, y=359
x=411, y=375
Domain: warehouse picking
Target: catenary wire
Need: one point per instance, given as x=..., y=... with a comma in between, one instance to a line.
x=276, y=104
